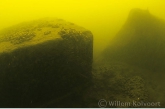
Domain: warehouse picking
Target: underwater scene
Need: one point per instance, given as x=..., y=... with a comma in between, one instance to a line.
x=82, y=54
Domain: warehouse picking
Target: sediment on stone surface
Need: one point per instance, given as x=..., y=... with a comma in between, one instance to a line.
x=42, y=61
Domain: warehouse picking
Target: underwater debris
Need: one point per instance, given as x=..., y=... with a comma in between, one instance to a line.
x=135, y=88
x=114, y=85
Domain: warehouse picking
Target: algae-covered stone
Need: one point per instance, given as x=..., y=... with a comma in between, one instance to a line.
x=44, y=60
x=113, y=84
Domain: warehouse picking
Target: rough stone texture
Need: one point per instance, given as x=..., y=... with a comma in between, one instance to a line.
x=133, y=62
x=44, y=60
x=115, y=83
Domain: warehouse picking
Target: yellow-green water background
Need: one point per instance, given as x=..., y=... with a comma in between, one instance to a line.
x=103, y=17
